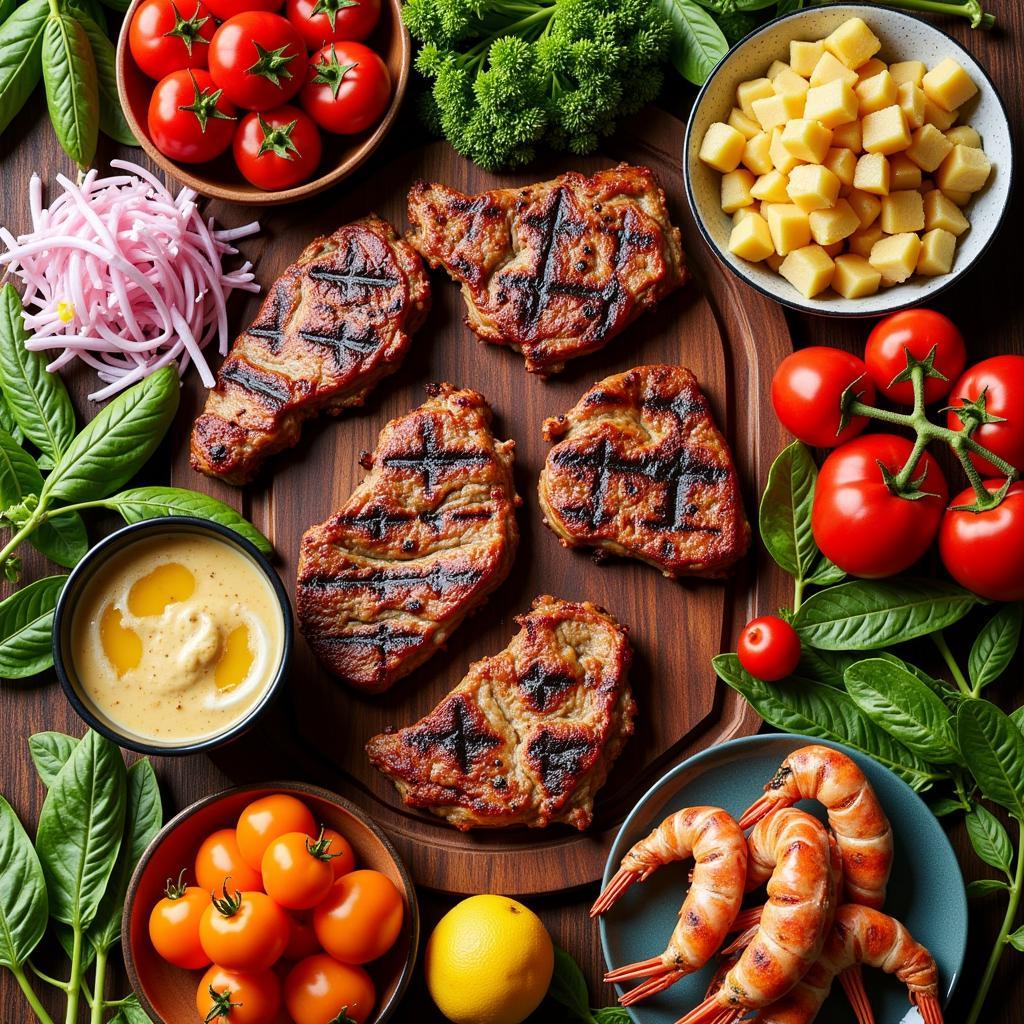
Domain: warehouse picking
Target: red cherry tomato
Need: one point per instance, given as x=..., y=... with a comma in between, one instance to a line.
x=319, y=990
x=917, y=331
x=265, y=819
x=360, y=918
x=277, y=149
x=238, y=997
x=174, y=925
x=219, y=859
x=984, y=551
x=343, y=858
x=326, y=21
x=858, y=523
x=258, y=59
x=769, y=648
x=224, y=9
x=347, y=88
x=170, y=35
x=302, y=940
x=297, y=870
x=244, y=931
x=1001, y=381
x=189, y=118
x=807, y=389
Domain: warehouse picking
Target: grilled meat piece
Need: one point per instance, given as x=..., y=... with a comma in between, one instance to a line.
x=641, y=470
x=553, y=270
x=421, y=542
x=529, y=736
x=336, y=322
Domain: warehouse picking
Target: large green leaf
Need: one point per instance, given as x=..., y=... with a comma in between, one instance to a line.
x=697, y=42
x=995, y=645
x=988, y=837
x=21, y=39
x=112, y=119
x=26, y=624
x=23, y=908
x=50, y=752
x=993, y=748
x=785, y=513
x=72, y=91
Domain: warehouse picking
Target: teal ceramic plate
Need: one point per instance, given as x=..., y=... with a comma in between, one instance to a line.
x=926, y=891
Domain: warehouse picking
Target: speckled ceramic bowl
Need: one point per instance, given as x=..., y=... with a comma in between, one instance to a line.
x=903, y=38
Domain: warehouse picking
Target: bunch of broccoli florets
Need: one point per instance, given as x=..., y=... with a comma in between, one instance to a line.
x=510, y=75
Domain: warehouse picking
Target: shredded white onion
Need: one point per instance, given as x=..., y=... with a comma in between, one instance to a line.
x=125, y=277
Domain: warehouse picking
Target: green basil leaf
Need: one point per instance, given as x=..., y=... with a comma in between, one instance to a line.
x=19, y=475
x=995, y=645
x=26, y=624
x=50, y=752
x=985, y=886
x=697, y=42
x=37, y=399
x=785, y=513
x=788, y=6
x=112, y=119
x=989, y=838
x=753, y=5
x=993, y=748
x=130, y=1013
x=8, y=423
x=824, y=666
x=141, y=503
x=62, y=539
x=826, y=573
x=864, y=615
x=1017, y=717
x=1016, y=939
x=116, y=444
x=23, y=906
x=21, y=40
x=568, y=987
x=80, y=829
x=612, y=1015
x=72, y=91
x=944, y=807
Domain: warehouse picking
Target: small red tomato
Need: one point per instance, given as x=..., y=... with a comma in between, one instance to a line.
x=244, y=931
x=189, y=118
x=297, y=870
x=807, y=392
x=174, y=925
x=326, y=21
x=769, y=648
x=984, y=551
x=360, y=918
x=277, y=149
x=302, y=940
x=163, y=39
x=343, y=858
x=319, y=990
x=919, y=333
x=347, y=88
x=238, y=997
x=219, y=859
x=224, y=9
x=267, y=818
x=258, y=59
x=992, y=388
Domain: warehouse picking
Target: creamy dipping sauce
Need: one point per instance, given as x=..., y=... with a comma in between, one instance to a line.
x=176, y=638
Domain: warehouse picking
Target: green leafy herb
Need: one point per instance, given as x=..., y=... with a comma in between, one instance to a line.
x=985, y=887
x=698, y=43
x=993, y=748
x=785, y=512
x=21, y=41
x=72, y=90
x=26, y=621
x=995, y=646
x=23, y=906
x=112, y=120
x=989, y=839
x=568, y=991
x=50, y=752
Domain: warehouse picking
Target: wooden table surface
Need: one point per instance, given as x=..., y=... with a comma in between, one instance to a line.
x=986, y=305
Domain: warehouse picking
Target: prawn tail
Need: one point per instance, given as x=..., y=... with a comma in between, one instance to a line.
x=852, y=981
x=741, y=941
x=620, y=883
x=748, y=918
x=711, y=1011
x=652, y=986
x=929, y=1007
x=762, y=808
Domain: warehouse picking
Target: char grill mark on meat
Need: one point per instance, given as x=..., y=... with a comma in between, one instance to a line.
x=432, y=461
x=453, y=728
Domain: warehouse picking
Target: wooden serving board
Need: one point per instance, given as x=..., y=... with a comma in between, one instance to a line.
x=727, y=334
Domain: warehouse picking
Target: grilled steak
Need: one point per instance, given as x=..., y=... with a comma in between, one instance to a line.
x=420, y=543
x=529, y=736
x=641, y=470
x=557, y=269
x=337, y=321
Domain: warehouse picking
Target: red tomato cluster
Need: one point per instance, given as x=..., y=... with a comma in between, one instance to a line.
x=281, y=916
x=228, y=71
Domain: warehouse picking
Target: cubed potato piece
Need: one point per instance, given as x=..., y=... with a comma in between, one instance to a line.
x=807, y=139
x=854, y=277
x=782, y=159
x=746, y=211
x=842, y=163
x=853, y=43
x=947, y=85
x=936, y=255
x=964, y=135
x=941, y=212
x=834, y=249
x=872, y=174
x=901, y=212
x=934, y=114
x=895, y=257
x=790, y=229
x=803, y=56
x=928, y=147
x=831, y=226
x=876, y=93
x=833, y=104
x=809, y=270
x=866, y=206
x=847, y=136
x=960, y=198
x=746, y=126
x=771, y=188
x=722, y=147
x=736, y=186
x=788, y=83
x=813, y=187
x=908, y=71
x=870, y=68
x=775, y=68
x=903, y=173
x=756, y=153
x=754, y=89
x=885, y=131
x=775, y=110
x=750, y=238
x=862, y=242
x=828, y=69
x=911, y=100
x=966, y=169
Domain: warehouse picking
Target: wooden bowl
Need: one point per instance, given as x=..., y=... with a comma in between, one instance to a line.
x=168, y=993
x=220, y=178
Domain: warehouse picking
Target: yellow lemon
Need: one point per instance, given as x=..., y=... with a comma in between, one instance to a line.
x=489, y=961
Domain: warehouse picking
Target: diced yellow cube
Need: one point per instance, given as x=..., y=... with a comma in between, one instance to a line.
x=866, y=206
x=771, y=188
x=853, y=43
x=847, y=136
x=911, y=100
x=960, y=198
x=828, y=69
x=854, y=277
x=750, y=238
x=903, y=173
x=813, y=187
x=941, y=212
x=808, y=269
x=746, y=211
x=934, y=114
x=907, y=71
x=831, y=226
x=756, y=153
x=966, y=169
x=788, y=83
x=806, y=139
x=964, y=135
x=901, y=212
x=833, y=104
x=748, y=92
x=895, y=257
x=722, y=147
x=870, y=68
x=746, y=126
x=790, y=229
x=936, y=256
x=842, y=163
x=776, y=68
x=928, y=147
x=872, y=174
x=782, y=159
x=862, y=242
x=877, y=92
x=947, y=85
x=736, y=187
x=885, y=131
x=803, y=56
x=834, y=249
x=775, y=110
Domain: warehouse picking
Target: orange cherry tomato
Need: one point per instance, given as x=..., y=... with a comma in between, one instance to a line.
x=297, y=870
x=302, y=940
x=244, y=931
x=238, y=997
x=360, y=918
x=174, y=925
x=219, y=859
x=343, y=858
x=266, y=819
x=319, y=990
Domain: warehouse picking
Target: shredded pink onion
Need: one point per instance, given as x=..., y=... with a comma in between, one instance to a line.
x=125, y=277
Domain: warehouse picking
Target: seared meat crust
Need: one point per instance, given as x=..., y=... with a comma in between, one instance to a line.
x=641, y=470
x=530, y=734
x=553, y=270
x=422, y=541
x=336, y=322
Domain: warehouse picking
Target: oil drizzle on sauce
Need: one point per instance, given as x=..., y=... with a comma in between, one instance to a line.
x=121, y=645
x=235, y=660
x=167, y=584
